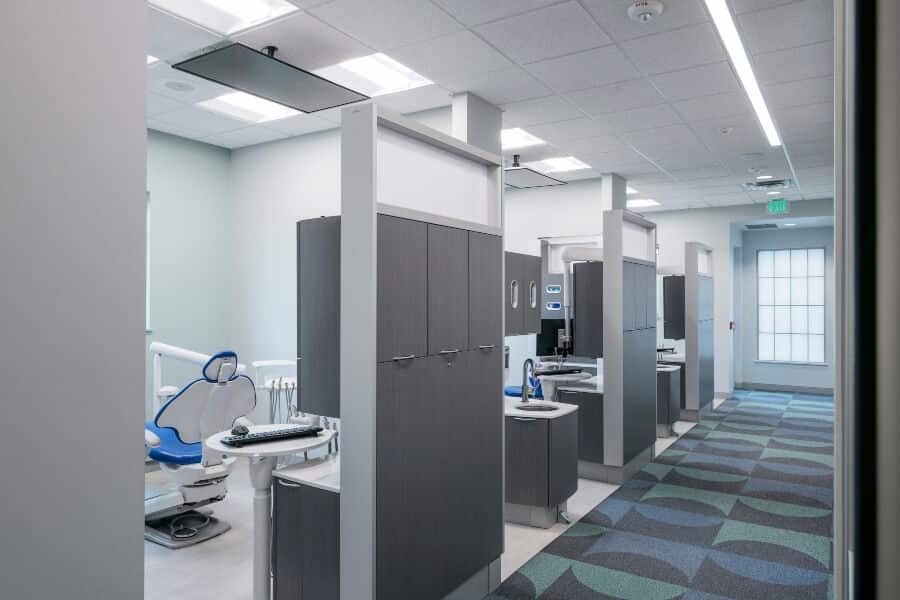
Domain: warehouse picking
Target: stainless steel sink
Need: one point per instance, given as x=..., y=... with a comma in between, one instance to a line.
x=530, y=407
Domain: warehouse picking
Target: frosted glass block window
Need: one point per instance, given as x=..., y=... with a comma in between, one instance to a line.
x=791, y=305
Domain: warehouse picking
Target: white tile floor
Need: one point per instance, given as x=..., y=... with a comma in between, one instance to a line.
x=221, y=567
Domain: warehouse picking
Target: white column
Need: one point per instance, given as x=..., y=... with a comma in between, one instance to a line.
x=476, y=121
x=614, y=192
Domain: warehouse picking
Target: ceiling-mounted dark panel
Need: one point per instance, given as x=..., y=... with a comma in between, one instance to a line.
x=523, y=177
x=248, y=70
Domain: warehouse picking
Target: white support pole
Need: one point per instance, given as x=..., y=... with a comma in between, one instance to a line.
x=613, y=192
x=359, y=132
x=476, y=121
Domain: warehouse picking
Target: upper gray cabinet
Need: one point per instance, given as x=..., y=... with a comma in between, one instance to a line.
x=522, y=293
x=402, y=288
x=673, y=307
x=318, y=315
x=485, y=293
x=588, y=292
x=448, y=289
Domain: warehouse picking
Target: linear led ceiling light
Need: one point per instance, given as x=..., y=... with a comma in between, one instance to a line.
x=642, y=203
x=763, y=177
x=721, y=16
x=227, y=17
x=151, y=59
x=561, y=164
x=374, y=75
x=518, y=138
x=247, y=107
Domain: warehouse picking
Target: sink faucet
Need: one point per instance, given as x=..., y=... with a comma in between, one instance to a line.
x=526, y=385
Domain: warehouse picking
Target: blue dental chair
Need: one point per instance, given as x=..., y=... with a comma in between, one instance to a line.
x=197, y=476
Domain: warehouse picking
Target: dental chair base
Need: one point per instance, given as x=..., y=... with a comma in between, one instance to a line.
x=185, y=529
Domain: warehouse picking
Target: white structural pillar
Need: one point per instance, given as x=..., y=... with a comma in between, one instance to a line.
x=477, y=122
x=699, y=330
x=358, y=357
x=614, y=192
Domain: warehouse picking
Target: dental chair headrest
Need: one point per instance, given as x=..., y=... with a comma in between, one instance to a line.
x=221, y=367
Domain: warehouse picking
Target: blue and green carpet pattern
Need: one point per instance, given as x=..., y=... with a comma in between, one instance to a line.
x=738, y=508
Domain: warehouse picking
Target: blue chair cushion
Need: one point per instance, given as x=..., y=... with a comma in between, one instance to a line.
x=171, y=449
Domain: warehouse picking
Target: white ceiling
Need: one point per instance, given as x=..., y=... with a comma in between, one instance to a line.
x=658, y=103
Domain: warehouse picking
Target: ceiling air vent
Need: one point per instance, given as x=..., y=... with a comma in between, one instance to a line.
x=768, y=185
x=520, y=177
x=261, y=74
x=754, y=226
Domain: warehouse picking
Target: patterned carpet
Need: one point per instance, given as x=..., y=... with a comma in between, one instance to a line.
x=738, y=508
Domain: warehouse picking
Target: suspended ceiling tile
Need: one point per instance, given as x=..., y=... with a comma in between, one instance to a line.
x=714, y=107
x=613, y=17
x=451, y=56
x=416, y=100
x=203, y=121
x=181, y=131
x=305, y=41
x=300, y=125
x=539, y=110
x=707, y=80
x=816, y=60
x=180, y=86
x=169, y=37
x=476, y=12
x=675, y=50
x=157, y=104
x=386, y=24
x=672, y=135
x=744, y=6
x=583, y=70
x=595, y=145
x=500, y=87
x=545, y=33
x=732, y=135
x=805, y=123
x=574, y=129
x=787, y=26
x=248, y=136
x=704, y=173
x=617, y=97
x=579, y=175
x=799, y=93
x=639, y=119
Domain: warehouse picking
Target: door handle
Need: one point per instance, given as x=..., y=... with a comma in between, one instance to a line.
x=410, y=357
x=514, y=293
x=524, y=419
x=456, y=351
x=284, y=483
x=488, y=347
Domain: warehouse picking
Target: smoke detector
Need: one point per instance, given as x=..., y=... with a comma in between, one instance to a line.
x=645, y=11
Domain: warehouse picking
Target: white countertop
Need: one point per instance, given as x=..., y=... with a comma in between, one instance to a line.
x=561, y=409
x=591, y=385
x=667, y=368
x=323, y=473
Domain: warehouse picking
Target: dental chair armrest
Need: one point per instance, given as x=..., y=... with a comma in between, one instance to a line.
x=151, y=440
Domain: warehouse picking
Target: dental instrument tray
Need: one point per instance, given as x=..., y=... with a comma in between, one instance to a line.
x=270, y=436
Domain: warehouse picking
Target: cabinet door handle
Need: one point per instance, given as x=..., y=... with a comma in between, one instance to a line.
x=284, y=483
x=456, y=351
x=532, y=294
x=514, y=293
x=488, y=347
x=410, y=357
x=527, y=420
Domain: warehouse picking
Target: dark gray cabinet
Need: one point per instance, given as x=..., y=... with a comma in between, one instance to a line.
x=305, y=543
x=402, y=288
x=590, y=423
x=673, y=307
x=629, y=287
x=318, y=315
x=541, y=459
x=639, y=399
x=438, y=491
x=668, y=396
x=448, y=289
x=638, y=296
x=588, y=293
x=522, y=294
x=485, y=292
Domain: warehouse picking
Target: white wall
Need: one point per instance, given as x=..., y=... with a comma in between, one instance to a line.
x=812, y=376
x=72, y=307
x=191, y=276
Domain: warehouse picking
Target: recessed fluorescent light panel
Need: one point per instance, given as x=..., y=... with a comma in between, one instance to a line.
x=374, y=75
x=718, y=9
x=248, y=107
x=561, y=164
x=518, y=138
x=763, y=177
x=630, y=190
x=226, y=16
x=642, y=203
x=151, y=59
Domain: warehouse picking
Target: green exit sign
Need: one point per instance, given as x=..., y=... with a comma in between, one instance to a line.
x=778, y=206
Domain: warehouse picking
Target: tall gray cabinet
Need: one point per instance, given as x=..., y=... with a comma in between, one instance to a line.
x=522, y=293
x=639, y=359
x=588, y=293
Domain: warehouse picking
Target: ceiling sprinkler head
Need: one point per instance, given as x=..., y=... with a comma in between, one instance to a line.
x=645, y=11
